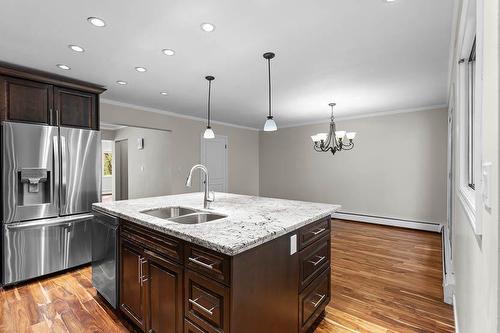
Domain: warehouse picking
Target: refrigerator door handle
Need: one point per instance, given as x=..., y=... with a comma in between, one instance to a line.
x=64, y=170
x=55, y=178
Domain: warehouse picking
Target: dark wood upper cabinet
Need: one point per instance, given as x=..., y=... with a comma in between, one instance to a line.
x=75, y=108
x=27, y=101
x=33, y=96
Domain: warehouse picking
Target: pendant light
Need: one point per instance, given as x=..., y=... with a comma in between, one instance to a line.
x=209, y=133
x=270, y=125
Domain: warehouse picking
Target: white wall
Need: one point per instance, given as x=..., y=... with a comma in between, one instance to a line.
x=150, y=168
x=475, y=258
x=397, y=168
x=243, y=147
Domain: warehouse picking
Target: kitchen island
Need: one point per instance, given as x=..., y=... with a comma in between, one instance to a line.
x=261, y=265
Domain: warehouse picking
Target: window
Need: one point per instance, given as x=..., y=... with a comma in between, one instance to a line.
x=471, y=98
x=107, y=169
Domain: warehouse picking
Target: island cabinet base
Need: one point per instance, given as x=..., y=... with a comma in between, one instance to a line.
x=168, y=285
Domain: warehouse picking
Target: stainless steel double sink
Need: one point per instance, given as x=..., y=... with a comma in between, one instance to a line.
x=183, y=215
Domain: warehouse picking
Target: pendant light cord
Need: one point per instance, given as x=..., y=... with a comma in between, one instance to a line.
x=209, y=88
x=269, y=76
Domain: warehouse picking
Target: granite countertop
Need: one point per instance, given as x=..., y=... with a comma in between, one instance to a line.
x=250, y=221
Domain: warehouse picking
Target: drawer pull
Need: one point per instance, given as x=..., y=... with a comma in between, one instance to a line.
x=316, y=263
x=201, y=307
x=202, y=264
x=317, y=232
x=321, y=298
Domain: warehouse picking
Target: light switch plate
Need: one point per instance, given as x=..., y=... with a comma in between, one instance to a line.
x=486, y=174
x=140, y=143
x=293, y=244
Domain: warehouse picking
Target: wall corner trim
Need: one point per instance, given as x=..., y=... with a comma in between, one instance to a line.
x=389, y=221
x=172, y=114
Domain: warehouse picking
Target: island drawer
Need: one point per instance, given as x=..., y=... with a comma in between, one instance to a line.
x=156, y=241
x=314, y=231
x=189, y=327
x=206, y=302
x=208, y=262
x=313, y=260
x=313, y=300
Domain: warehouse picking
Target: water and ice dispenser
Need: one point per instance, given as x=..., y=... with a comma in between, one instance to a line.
x=33, y=186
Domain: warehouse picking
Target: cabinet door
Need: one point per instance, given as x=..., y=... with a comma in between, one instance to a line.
x=76, y=108
x=23, y=100
x=165, y=295
x=132, y=293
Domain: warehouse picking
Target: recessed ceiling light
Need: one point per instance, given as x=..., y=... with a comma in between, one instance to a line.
x=208, y=27
x=168, y=52
x=122, y=83
x=141, y=69
x=95, y=21
x=164, y=93
x=65, y=67
x=76, y=48
x=390, y=0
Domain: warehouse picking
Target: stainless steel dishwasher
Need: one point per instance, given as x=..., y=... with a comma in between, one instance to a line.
x=105, y=256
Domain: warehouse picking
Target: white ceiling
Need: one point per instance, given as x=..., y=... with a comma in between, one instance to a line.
x=366, y=55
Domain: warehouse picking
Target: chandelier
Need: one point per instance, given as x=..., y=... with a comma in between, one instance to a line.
x=334, y=140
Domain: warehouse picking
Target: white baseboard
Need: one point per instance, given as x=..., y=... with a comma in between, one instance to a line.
x=426, y=226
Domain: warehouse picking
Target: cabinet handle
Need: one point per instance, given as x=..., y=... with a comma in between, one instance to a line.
x=202, y=264
x=321, y=298
x=315, y=263
x=139, y=263
x=142, y=278
x=317, y=232
x=201, y=307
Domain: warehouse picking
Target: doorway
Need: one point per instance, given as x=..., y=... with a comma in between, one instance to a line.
x=121, y=168
x=214, y=157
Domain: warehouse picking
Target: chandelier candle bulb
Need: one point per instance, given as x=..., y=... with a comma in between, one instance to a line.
x=350, y=135
x=340, y=134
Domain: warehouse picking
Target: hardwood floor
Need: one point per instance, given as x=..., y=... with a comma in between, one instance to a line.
x=383, y=279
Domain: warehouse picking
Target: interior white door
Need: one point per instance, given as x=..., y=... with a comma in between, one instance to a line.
x=214, y=157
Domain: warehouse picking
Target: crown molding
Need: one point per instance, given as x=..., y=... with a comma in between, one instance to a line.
x=172, y=114
x=369, y=115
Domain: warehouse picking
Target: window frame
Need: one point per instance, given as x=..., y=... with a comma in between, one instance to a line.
x=470, y=47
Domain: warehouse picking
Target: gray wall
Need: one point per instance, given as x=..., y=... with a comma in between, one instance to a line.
x=149, y=169
x=243, y=146
x=397, y=168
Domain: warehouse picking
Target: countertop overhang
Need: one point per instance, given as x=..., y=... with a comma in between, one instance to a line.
x=250, y=221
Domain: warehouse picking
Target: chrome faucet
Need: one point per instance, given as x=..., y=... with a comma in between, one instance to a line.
x=208, y=198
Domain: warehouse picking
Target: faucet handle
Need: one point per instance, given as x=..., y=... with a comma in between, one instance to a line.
x=211, y=197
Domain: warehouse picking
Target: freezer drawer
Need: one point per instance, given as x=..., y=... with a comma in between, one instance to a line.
x=33, y=249
x=105, y=256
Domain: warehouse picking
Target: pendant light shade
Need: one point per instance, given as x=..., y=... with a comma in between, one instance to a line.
x=209, y=133
x=270, y=125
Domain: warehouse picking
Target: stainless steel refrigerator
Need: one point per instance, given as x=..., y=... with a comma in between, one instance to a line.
x=50, y=178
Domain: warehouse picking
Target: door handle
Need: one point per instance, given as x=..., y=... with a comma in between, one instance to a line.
x=64, y=172
x=142, y=278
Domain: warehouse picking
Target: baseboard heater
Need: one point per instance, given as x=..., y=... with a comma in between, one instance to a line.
x=390, y=221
